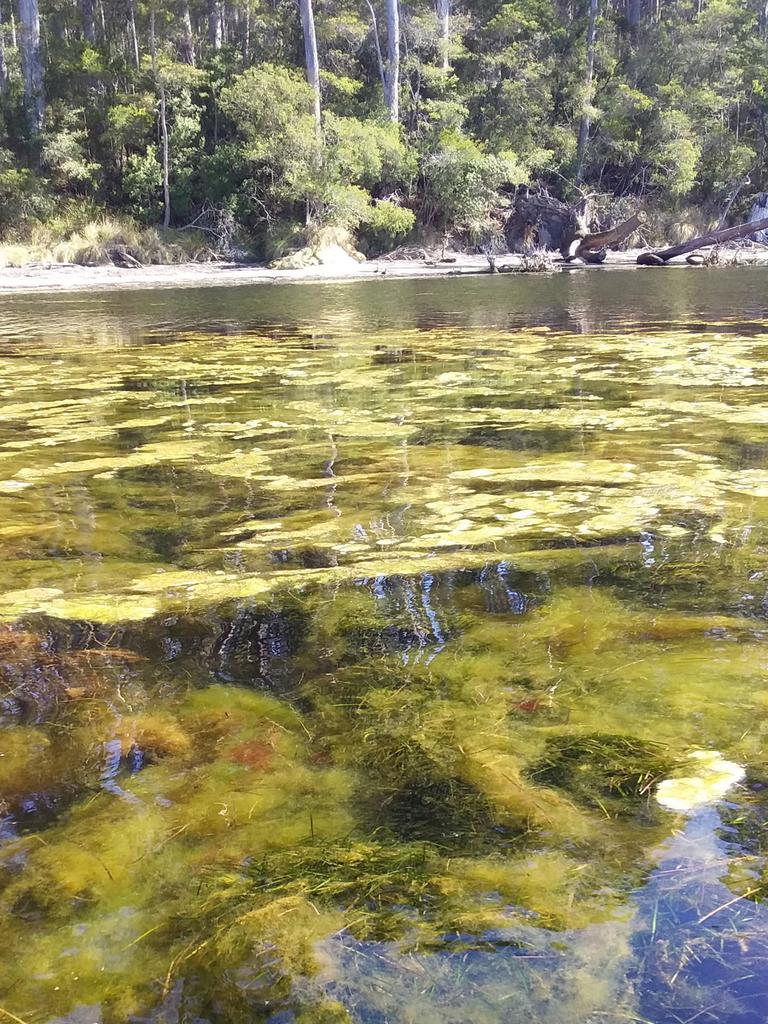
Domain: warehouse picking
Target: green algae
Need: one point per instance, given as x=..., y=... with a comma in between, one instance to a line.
x=319, y=649
x=330, y=456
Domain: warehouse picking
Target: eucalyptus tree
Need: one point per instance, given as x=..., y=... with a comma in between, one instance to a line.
x=32, y=65
x=443, y=9
x=3, y=62
x=392, y=76
x=589, y=75
x=214, y=24
x=310, y=57
x=163, y=120
x=188, y=37
x=88, y=21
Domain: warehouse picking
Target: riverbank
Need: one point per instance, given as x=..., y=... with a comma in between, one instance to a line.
x=51, y=277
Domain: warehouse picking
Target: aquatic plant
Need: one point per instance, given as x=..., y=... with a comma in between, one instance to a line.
x=314, y=652
x=610, y=772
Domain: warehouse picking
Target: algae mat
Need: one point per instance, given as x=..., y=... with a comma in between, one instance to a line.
x=340, y=669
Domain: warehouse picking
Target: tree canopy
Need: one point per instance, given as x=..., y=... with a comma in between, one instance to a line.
x=375, y=115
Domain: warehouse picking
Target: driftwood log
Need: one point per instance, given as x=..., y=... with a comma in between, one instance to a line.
x=661, y=256
x=540, y=221
x=590, y=247
x=119, y=256
x=594, y=255
x=604, y=240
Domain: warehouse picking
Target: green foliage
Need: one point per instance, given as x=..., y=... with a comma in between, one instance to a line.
x=64, y=154
x=387, y=224
x=271, y=109
x=129, y=124
x=142, y=182
x=675, y=154
x=676, y=115
x=462, y=182
x=22, y=195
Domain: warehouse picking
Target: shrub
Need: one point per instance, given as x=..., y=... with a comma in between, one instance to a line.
x=386, y=225
x=461, y=183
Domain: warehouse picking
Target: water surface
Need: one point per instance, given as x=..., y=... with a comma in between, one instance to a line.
x=346, y=633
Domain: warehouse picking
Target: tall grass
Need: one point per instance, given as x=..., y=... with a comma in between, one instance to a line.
x=86, y=236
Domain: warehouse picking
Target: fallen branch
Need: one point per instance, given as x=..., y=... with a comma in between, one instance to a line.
x=605, y=239
x=661, y=256
x=120, y=257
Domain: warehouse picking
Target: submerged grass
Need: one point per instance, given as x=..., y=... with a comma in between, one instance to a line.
x=312, y=651
x=604, y=770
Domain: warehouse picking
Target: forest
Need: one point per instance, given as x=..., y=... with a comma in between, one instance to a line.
x=240, y=126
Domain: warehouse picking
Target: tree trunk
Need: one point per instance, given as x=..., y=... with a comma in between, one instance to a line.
x=377, y=41
x=392, y=95
x=759, y=212
x=56, y=25
x=540, y=221
x=214, y=24
x=246, y=33
x=166, y=160
x=634, y=14
x=585, y=119
x=3, y=64
x=188, y=39
x=163, y=124
x=88, y=21
x=713, y=238
x=310, y=55
x=32, y=62
x=134, y=34
x=606, y=239
x=444, y=23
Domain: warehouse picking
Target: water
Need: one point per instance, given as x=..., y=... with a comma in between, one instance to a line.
x=347, y=632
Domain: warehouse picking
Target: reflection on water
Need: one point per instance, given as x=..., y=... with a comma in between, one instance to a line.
x=347, y=633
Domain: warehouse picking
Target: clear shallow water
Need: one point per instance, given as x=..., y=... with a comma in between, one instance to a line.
x=348, y=631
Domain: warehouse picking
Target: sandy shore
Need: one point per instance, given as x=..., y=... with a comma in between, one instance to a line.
x=52, y=277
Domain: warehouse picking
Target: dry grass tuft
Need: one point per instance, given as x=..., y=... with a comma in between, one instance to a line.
x=103, y=240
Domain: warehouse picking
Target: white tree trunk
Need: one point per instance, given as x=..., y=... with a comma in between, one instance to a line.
x=393, y=60
x=214, y=24
x=589, y=75
x=444, y=23
x=134, y=34
x=188, y=39
x=165, y=148
x=166, y=159
x=247, y=33
x=310, y=54
x=32, y=62
x=377, y=42
x=3, y=63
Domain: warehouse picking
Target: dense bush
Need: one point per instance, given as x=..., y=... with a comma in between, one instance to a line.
x=674, y=114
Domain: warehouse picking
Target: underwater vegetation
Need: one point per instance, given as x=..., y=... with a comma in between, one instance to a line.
x=189, y=473
x=340, y=687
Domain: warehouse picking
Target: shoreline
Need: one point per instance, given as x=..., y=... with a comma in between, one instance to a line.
x=53, y=277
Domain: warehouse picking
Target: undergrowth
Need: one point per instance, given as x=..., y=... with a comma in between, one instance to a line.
x=87, y=236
